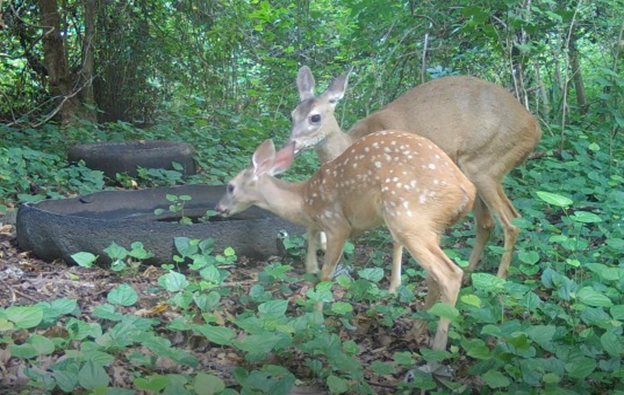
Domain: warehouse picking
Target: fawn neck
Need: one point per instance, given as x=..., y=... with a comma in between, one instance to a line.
x=284, y=199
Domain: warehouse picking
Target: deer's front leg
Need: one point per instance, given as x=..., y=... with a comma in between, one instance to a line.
x=311, y=263
x=335, y=244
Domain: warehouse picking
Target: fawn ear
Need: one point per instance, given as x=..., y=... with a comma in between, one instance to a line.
x=283, y=159
x=305, y=83
x=264, y=157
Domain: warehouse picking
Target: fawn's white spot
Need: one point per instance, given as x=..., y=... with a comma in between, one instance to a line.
x=431, y=166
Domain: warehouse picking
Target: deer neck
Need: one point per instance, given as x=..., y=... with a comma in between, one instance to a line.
x=284, y=199
x=334, y=143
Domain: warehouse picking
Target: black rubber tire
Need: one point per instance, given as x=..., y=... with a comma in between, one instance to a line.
x=125, y=157
x=54, y=229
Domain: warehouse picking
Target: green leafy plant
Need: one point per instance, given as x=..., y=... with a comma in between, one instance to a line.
x=121, y=260
x=177, y=207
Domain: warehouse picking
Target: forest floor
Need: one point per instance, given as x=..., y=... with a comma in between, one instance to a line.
x=27, y=280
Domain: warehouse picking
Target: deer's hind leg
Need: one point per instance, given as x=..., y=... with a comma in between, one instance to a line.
x=443, y=276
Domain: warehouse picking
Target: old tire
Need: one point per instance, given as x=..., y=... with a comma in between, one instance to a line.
x=54, y=229
x=125, y=157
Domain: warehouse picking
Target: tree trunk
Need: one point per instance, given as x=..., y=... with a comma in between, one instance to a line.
x=68, y=105
x=86, y=71
x=577, y=77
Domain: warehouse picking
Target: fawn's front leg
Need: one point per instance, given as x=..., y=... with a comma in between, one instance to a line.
x=311, y=263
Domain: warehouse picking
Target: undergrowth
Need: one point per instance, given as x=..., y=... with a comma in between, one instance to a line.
x=554, y=327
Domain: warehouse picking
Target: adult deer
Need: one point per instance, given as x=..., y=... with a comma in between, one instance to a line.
x=479, y=125
x=397, y=178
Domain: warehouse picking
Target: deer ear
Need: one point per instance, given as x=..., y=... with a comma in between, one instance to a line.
x=283, y=159
x=305, y=83
x=262, y=160
x=338, y=87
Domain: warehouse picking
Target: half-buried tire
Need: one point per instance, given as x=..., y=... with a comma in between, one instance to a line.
x=125, y=157
x=54, y=229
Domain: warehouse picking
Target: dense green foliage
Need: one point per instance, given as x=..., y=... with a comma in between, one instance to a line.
x=220, y=75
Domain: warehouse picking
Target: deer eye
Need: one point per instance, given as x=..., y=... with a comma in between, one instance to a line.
x=230, y=188
x=316, y=118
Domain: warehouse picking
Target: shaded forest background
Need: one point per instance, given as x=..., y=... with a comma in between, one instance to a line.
x=221, y=65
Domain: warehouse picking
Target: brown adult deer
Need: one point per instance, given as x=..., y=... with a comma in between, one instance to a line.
x=479, y=125
x=391, y=177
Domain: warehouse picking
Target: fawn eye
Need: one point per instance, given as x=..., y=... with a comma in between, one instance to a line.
x=230, y=188
x=316, y=118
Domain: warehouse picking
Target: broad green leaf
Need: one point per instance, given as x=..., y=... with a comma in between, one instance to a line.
x=273, y=308
x=341, y=308
x=487, y=282
x=585, y=217
x=41, y=344
x=551, y=378
x=216, y=334
x=25, y=317
x=80, y=330
x=491, y=330
x=208, y=384
x=67, y=378
x=531, y=301
x=92, y=376
x=185, y=246
x=519, y=340
x=229, y=251
x=617, y=312
x=211, y=274
x=116, y=252
x=63, y=306
x=404, y=359
x=495, y=379
x=153, y=383
x=99, y=358
x=173, y=281
x=471, y=299
x=591, y=297
x=337, y=385
x=371, y=274
x=25, y=351
x=259, y=344
x=434, y=355
x=541, y=334
x=123, y=295
x=476, y=348
x=84, y=259
x=6, y=325
x=612, y=344
x=207, y=302
x=580, y=367
x=382, y=368
x=445, y=311
x=530, y=257
x=616, y=243
x=107, y=311
x=554, y=199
